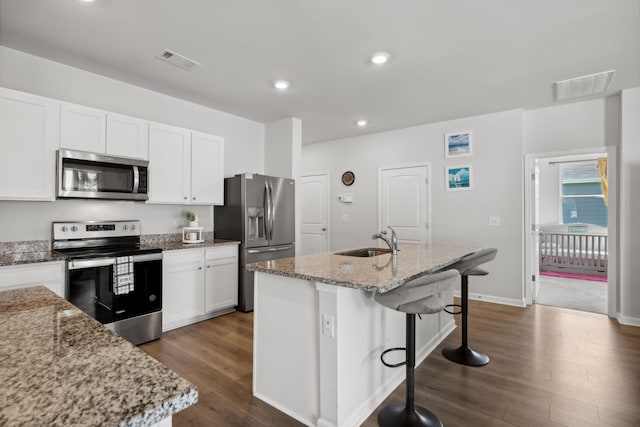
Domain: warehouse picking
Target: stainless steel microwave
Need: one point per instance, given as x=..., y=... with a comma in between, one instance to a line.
x=97, y=176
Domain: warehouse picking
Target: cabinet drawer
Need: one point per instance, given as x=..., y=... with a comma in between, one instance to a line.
x=31, y=274
x=225, y=251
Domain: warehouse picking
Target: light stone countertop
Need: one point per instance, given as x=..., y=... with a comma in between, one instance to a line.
x=376, y=273
x=60, y=367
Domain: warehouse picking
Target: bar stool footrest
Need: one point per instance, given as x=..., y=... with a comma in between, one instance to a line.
x=396, y=415
x=393, y=365
x=455, y=313
x=465, y=356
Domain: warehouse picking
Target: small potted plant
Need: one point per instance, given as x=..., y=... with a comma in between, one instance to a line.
x=193, y=219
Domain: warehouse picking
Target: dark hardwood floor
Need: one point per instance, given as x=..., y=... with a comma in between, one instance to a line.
x=549, y=367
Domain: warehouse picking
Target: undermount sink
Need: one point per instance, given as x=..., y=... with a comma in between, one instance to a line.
x=365, y=252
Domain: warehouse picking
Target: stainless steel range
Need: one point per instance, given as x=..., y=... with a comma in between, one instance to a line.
x=111, y=277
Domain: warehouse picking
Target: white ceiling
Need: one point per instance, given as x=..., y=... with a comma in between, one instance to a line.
x=449, y=58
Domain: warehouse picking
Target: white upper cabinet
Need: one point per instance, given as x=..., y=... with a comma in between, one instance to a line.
x=28, y=140
x=82, y=128
x=185, y=167
x=127, y=136
x=207, y=169
x=169, y=164
x=88, y=129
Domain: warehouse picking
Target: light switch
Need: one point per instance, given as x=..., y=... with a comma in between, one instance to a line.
x=345, y=217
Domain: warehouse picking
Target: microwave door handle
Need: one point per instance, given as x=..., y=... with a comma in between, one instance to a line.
x=136, y=179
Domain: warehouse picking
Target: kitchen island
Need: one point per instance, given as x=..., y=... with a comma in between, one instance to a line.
x=318, y=333
x=60, y=367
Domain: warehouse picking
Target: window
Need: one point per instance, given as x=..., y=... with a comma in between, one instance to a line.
x=581, y=194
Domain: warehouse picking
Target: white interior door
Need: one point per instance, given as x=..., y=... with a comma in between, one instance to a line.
x=314, y=214
x=403, y=202
x=535, y=231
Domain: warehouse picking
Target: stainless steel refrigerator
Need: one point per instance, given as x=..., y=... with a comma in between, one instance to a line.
x=259, y=211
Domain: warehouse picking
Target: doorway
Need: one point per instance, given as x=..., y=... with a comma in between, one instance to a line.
x=315, y=213
x=570, y=243
x=404, y=202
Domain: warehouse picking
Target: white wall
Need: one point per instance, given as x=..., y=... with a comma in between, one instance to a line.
x=458, y=218
x=244, y=142
x=629, y=207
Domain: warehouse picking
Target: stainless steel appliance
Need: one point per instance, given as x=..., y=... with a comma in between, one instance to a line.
x=96, y=176
x=259, y=211
x=111, y=277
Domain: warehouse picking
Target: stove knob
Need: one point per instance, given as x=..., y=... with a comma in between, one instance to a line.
x=124, y=227
x=74, y=228
x=64, y=228
x=133, y=227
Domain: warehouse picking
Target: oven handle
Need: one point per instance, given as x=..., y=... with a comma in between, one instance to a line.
x=147, y=257
x=89, y=263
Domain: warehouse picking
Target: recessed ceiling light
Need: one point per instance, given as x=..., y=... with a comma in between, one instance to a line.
x=86, y=1
x=361, y=123
x=379, y=58
x=281, y=84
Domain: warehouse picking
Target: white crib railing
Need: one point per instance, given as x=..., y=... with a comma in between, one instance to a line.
x=574, y=253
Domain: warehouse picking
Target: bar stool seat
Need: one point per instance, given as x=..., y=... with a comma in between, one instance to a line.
x=468, y=266
x=418, y=296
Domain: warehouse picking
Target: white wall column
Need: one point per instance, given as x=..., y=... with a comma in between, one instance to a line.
x=283, y=158
x=629, y=207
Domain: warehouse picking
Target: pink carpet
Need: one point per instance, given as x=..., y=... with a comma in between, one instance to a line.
x=573, y=276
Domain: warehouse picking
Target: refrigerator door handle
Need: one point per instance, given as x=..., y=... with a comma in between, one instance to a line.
x=274, y=249
x=273, y=214
x=267, y=212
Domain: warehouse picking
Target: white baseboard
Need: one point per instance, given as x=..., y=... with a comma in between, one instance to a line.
x=287, y=411
x=626, y=320
x=367, y=407
x=495, y=300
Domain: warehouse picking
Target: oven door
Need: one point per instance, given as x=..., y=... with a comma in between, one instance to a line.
x=90, y=281
x=90, y=287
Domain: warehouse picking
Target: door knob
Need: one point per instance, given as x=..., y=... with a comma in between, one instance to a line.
x=324, y=229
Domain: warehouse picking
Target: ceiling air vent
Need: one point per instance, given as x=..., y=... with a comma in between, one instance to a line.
x=579, y=87
x=178, y=60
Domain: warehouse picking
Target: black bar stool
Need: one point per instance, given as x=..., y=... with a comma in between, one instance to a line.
x=467, y=266
x=418, y=296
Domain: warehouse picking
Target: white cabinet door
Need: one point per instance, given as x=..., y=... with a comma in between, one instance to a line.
x=207, y=169
x=82, y=128
x=49, y=274
x=182, y=287
x=221, y=286
x=169, y=164
x=29, y=132
x=127, y=136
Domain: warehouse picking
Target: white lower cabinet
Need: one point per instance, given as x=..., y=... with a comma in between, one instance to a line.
x=49, y=274
x=221, y=284
x=198, y=284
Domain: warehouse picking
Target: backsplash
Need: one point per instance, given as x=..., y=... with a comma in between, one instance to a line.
x=159, y=239
x=24, y=246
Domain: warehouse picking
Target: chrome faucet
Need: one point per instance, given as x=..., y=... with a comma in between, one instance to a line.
x=393, y=244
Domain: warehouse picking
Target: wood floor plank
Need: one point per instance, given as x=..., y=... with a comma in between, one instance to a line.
x=549, y=367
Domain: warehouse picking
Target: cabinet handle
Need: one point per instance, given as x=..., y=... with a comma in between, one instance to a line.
x=208, y=266
x=194, y=198
x=185, y=197
x=199, y=268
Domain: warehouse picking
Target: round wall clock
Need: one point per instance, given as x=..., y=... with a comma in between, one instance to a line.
x=348, y=178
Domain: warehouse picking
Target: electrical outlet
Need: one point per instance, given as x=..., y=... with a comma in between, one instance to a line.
x=345, y=217
x=177, y=222
x=494, y=221
x=328, y=326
